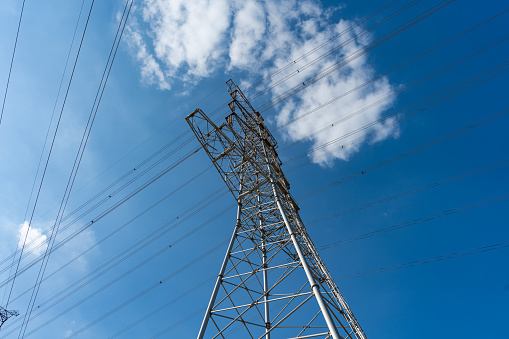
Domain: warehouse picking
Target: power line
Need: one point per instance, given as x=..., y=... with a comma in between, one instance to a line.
x=128, y=252
x=397, y=116
x=415, y=190
x=154, y=234
x=12, y=62
x=123, y=275
x=416, y=221
x=338, y=65
x=47, y=135
x=426, y=261
x=76, y=164
x=121, y=257
x=434, y=216
x=50, y=151
x=335, y=48
x=145, y=291
x=345, y=277
x=384, y=74
x=186, y=132
x=412, y=151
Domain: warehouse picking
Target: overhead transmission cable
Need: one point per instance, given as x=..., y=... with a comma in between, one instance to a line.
x=488, y=119
x=410, y=152
x=400, y=114
x=425, y=261
x=12, y=61
x=131, y=250
x=412, y=191
x=115, y=206
x=50, y=151
x=356, y=275
x=165, y=279
x=142, y=243
x=384, y=74
x=325, y=43
x=416, y=221
x=61, y=296
x=155, y=234
x=77, y=162
x=216, y=111
x=47, y=134
x=351, y=57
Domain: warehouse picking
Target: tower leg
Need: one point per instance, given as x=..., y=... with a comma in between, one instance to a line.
x=265, y=279
x=314, y=286
x=266, y=297
x=220, y=276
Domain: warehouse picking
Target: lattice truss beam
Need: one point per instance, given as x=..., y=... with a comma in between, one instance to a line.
x=272, y=281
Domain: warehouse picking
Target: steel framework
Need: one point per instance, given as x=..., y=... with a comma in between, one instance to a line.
x=272, y=282
x=5, y=314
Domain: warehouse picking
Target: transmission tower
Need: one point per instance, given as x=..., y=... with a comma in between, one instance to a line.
x=272, y=283
x=4, y=315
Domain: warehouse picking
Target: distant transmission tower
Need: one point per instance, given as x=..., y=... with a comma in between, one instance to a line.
x=4, y=315
x=272, y=283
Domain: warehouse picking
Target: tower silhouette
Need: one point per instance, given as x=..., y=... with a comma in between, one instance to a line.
x=272, y=282
x=5, y=314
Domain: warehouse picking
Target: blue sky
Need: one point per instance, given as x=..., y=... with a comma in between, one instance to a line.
x=176, y=56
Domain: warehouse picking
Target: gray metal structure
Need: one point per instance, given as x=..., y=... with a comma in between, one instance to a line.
x=5, y=314
x=272, y=283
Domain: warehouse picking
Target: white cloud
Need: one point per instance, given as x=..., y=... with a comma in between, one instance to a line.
x=35, y=247
x=188, y=34
x=248, y=30
x=346, y=78
x=191, y=40
x=151, y=71
x=35, y=240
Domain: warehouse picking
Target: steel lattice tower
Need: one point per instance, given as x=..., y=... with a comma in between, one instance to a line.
x=5, y=314
x=272, y=282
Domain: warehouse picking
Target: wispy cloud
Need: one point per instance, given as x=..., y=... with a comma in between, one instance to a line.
x=151, y=72
x=187, y=41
